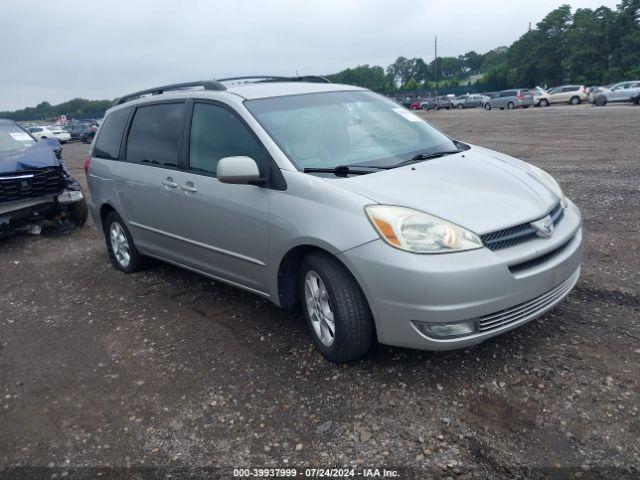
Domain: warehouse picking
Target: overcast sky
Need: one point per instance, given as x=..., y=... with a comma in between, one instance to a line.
x=56, y=51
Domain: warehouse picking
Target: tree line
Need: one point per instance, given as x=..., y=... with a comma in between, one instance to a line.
x=590, y=46
x=76, y=108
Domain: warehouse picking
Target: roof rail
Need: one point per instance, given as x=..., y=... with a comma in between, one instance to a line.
x=275, y=78
x=206, y=84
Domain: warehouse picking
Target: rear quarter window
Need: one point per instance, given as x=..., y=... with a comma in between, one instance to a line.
x=107, y=144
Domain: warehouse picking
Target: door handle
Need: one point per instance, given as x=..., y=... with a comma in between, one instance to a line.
x=169, y=183
x=189, y=187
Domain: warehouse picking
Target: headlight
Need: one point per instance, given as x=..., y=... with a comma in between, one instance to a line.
x=550, y=182
x=419, y=232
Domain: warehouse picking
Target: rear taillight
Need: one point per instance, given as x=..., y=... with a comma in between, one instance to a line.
x=520, y=96
x=87, y=163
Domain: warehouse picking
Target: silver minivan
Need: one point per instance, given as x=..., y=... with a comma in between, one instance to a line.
x=331, y=197
x=510, y=99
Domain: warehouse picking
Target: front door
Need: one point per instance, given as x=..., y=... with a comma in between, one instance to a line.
x=225, y=225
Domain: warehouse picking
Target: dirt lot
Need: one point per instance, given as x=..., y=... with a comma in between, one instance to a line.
x=166, y=370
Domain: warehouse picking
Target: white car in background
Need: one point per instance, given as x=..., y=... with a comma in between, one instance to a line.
x=53, y=131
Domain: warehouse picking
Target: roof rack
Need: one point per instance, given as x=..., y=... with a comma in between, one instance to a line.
x=275, y=78
x=206, y=84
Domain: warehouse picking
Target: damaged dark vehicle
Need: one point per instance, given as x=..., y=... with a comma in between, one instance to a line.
x=36, y=190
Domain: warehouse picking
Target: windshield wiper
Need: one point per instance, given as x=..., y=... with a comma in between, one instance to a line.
x=427, y=156
x=344, y=170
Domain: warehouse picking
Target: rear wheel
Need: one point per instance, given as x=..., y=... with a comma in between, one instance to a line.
x=459, y=106
x=335, y=309
x=510, y=106
x=574, y=100
x=123, y=253
x=487, y=106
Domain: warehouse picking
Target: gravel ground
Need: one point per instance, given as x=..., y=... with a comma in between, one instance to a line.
x=170, y=373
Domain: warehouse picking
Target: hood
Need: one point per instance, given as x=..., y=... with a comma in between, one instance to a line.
x=40, y=155
x=478, y=189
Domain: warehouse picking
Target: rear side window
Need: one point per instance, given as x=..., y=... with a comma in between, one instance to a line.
x=108, y=142
x=217, y=133
x=155, y=134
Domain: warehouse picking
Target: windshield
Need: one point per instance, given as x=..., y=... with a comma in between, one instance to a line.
x=324, y=130
x=13, y=138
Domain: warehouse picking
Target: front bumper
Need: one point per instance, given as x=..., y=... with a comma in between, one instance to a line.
x=21, y=215
x=403, y=288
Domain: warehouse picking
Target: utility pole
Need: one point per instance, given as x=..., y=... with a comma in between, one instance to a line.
x=435, y=60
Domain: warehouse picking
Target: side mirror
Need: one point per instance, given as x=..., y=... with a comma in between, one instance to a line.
x=53, y=144
x=238, y=170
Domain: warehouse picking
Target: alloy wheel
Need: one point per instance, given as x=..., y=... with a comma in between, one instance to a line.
x=319, y=308
x=119, y=244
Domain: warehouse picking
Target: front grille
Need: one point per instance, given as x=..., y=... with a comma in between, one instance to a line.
x=512, y=236
x=31, y=183
x=519, y=267
x=527, y=309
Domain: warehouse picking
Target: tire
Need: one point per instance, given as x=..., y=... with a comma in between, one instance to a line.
x=118, y=260
x=459, y=106
x=79, y=212
x=600, y=101
x=437, y=108
x=510, y=106
x=637, y=100
x=544, y=102
x=487, y=106
x=574, y=101
x=353, y=330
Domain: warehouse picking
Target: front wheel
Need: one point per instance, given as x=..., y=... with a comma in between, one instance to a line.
x=544, y=102
x=459, y=106
x=79, y=212
x=335, y=309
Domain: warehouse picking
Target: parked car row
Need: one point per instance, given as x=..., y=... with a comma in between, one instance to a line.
x=82, y=131
x=524, y=97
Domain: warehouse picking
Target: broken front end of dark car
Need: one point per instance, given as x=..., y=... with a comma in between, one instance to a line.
x=36, y=190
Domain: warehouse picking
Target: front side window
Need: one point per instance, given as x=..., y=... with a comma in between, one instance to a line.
x=107, y=144
x=324, y=130
x=217, y=133
x=155, y=133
